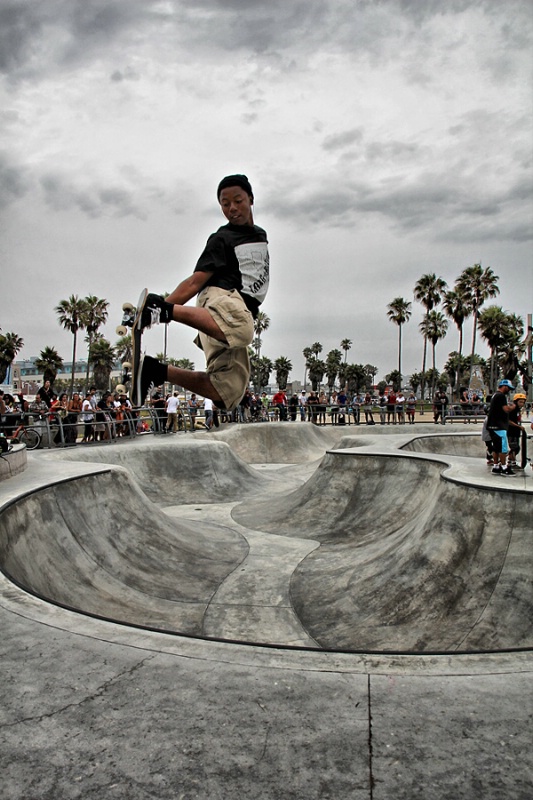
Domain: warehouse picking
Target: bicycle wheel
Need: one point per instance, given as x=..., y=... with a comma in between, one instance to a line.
x=30, y=438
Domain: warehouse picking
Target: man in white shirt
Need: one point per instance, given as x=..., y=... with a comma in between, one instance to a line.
x=173, y=403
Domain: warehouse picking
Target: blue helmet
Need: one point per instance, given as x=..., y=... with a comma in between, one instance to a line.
x=506, y=383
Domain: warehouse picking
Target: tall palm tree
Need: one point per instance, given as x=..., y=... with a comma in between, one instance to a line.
x=95, y=317
x=72, y=316
x=49, y=363
x=346, y=345
x=10, y=345
x=477, y=285
x=261, y=324
x=456, y=307
x=283, y=367
x=428, y=291
x=399, y=312
x=434, y=327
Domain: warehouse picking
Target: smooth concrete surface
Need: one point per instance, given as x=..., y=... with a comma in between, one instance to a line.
x=92, y=708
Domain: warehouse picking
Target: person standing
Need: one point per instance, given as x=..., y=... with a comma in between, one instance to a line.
x=498, y=425
x=46, y=394
x=172, y=405
x=515, y=428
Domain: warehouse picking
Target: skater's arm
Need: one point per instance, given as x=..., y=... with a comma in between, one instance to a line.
x=188, y=288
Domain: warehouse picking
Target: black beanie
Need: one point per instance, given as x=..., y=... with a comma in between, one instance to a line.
x=235, y=180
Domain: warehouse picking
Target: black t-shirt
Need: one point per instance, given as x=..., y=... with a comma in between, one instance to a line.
x=498, y=419
x=237, y=255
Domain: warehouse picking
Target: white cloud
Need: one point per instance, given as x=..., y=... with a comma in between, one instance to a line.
x=383, y=139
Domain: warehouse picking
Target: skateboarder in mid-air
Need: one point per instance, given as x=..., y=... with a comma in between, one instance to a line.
x=231, y=281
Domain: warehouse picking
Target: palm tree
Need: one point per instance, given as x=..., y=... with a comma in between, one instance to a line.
x=455, y=368
x=356, y=377
x=102, y=357
x=371, y=372
x=307, y=354
x=317, y=368
x=283, y=367
x=428, y=291
x=503, y=333
x=333, y=362
x=260, y=371
x=456, y=307
x=434, y=327
x=96, y=316
x=346, y=345
x=261, y=323
x=123, y=349
x=49, y=363
x=72, y=316
x=399, y=312
x=395, y=379
x=513, y=351
x=477, y=285
x=10, y=345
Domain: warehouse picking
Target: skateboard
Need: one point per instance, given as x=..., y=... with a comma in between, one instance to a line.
x=523, y=450
x=131, y=317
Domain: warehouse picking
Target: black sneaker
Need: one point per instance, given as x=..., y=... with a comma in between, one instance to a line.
x=496, y=470
x=151, y=373
x=154, y=311
x=508, y=471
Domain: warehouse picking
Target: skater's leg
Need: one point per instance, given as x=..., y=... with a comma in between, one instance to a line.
x=193, y=381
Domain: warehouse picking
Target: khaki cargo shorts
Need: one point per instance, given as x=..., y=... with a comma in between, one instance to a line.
x=228, y=365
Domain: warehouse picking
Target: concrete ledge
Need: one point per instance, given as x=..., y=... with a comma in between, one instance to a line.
x=14, y=462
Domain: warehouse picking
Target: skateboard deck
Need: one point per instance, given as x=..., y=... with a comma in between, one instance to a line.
x=523, y=449
x=131, y=318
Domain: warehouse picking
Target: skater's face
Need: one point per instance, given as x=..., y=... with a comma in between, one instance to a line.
x=236, y=205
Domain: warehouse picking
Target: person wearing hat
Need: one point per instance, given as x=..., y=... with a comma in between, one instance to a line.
x=498, y=425
x=231, y=281
x=515, y=428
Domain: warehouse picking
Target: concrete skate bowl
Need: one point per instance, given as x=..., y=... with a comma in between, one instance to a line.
x=407, y=560
x=171, y=471
x=97, y=545
x=280, y=443
x=467, y=444
x=398, y=559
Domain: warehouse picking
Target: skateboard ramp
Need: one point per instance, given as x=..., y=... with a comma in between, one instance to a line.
x=375, y=551
x=407, y=560
x=98, y=545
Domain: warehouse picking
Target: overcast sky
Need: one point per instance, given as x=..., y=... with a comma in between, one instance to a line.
x=383, y=140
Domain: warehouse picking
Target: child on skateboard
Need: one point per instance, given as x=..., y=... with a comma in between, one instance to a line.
x=231, y=281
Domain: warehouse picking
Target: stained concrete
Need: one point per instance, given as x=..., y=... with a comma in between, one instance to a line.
x=96, y=709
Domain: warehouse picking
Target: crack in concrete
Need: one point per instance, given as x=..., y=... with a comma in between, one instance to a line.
x=100, y=691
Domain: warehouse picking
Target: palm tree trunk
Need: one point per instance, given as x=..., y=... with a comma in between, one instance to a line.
x=400, y=350
x=423, y=380
x=88, y=367
x=73, y=364
x=472, y=354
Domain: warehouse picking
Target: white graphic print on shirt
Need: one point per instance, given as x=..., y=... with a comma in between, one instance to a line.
x=254, y=266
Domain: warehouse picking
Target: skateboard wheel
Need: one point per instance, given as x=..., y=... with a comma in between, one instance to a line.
x=126, y=365
x=121, y=330
x=128, y=307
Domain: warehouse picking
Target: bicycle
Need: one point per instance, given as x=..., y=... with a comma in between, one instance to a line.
x=28, y=436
